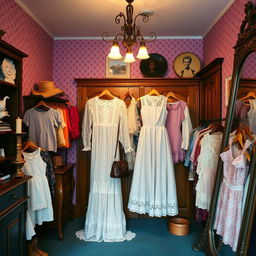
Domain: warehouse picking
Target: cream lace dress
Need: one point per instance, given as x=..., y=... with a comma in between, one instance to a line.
x=105, y=219
x=153, y=188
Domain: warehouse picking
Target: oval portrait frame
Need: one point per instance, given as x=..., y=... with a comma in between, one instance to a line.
x=155, y=66
x=186, y=65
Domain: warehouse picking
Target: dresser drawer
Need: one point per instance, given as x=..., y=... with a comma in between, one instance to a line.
x=12, y=196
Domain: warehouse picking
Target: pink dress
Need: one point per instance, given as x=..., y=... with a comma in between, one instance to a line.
x=229, y=208
x=173, y=124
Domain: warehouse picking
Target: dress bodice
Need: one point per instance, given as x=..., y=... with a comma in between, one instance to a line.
x=235, y=167
x=153, y=110
x=105, y=112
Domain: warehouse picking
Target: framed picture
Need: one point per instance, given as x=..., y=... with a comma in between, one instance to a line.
x=117, y=68
x=186, y=65
x=227, y=84
x=155, y=66
x=7, y=70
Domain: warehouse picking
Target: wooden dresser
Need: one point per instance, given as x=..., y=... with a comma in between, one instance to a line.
x=62, y=202
x=13, y=206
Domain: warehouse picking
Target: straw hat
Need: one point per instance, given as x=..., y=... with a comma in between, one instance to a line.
x=46, y=89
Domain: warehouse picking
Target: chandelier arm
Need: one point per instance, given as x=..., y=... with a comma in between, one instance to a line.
x=105, y=36
x=152, y=37
x=145, y=18
x=118, y=18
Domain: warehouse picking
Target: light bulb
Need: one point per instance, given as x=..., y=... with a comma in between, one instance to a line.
x=115, y=52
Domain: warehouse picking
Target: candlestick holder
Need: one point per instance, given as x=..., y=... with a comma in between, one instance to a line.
x=19, y=160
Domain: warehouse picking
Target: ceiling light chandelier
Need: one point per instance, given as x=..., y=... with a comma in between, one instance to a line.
x=129, y=36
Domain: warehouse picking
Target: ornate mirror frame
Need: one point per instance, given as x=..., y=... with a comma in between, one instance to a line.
x=209, y=242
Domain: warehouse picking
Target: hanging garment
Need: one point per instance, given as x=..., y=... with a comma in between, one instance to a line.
x=252, y=115
x=49, y=171
x=207, y=163
x=39, y=202
x=153, y=189
x=74, y=122
x=229, y=208
x=178, y=118
x=132, y=116
x=61, y=142
x=105, y=219
x=42, y=126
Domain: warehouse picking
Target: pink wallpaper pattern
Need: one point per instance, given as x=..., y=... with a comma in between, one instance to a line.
x=86, y=59
x=220, y=40
x=249, y=67
x=26, y=35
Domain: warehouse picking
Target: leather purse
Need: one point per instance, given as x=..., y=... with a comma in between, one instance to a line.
x=119, y=168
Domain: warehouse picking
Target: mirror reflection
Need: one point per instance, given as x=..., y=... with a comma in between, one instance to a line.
x=236, y=159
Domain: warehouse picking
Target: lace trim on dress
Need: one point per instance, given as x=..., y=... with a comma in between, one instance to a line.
x=127, y=237
x=153, y=209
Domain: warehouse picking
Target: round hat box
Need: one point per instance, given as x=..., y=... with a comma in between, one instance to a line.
x=179, y=226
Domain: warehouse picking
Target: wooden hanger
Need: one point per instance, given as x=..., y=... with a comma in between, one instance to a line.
x=154, y=92
x=172, y=97
x=249, y=95
x=239, y=139
x=31, y=147
x=216, y=128
x=248, y=132
x=42, y=105
x=106, y=94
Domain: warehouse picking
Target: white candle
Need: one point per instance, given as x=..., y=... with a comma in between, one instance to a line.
x=18, y=125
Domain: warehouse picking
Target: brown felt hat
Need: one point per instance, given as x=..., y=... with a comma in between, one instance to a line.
x=46, y=89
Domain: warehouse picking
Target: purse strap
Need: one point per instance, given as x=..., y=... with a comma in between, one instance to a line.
x=117, y=139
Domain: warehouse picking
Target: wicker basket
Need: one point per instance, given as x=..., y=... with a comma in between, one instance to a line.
x=179, y=226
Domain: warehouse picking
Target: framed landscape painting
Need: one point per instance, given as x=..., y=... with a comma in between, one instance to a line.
x=117, y=68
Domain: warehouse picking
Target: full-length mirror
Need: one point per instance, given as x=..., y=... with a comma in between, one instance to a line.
x=232, y=210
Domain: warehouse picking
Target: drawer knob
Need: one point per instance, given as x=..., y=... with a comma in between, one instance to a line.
x=12, y=197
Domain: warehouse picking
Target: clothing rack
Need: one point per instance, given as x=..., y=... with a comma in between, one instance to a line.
x=203, y=121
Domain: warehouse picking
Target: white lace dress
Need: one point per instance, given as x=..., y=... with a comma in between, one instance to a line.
x=105, y=219
x=252, y=115
x=206, y=168
x=40, y=201
x=153, y=188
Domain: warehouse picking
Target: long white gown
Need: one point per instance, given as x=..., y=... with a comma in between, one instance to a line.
x=105, y=219
x=153, y=188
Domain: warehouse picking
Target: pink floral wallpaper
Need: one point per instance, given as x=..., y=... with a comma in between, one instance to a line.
x=26, y=35
x=220, y=40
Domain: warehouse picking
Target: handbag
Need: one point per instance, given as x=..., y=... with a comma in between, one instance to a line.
x=119, y=168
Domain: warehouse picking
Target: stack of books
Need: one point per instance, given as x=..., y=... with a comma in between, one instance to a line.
x=5, y=127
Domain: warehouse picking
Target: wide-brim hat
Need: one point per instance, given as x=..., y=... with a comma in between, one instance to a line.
x=46, y=89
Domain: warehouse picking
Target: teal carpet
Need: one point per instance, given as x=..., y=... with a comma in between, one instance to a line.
x=152, y=239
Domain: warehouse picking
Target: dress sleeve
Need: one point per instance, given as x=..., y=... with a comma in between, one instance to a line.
x=186, y=129
x=87, y=127
x=26, y=118
x=132, y=118
x=57, y=118
x=123, y=129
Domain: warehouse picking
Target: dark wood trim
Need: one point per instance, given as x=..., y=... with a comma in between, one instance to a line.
x=211, y=90
x=119, y=82
x=210, y=67
x=11, y=48
x=8, y=186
